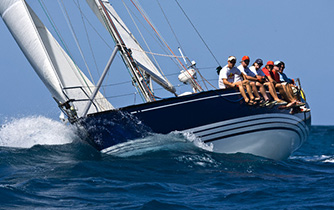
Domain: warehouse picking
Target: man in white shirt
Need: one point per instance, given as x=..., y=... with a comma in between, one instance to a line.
x=253, y=82
x=227, y=80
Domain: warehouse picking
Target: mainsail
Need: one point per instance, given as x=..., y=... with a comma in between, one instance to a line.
x=65, y=81
x=138, y=54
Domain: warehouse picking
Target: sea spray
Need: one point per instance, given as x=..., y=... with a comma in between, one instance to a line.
x=33, y=130
x=174, y=141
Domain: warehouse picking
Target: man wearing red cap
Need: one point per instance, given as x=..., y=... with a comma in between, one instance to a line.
x=227, y=80
x=271, y=76
x=243, y=67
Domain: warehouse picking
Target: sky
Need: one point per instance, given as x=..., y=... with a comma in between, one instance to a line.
x=298, y=32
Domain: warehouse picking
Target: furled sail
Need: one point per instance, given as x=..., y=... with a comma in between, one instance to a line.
x=65, y=81
x=139, y=55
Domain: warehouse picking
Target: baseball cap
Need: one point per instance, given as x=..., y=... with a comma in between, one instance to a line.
x=231, y=58
x=270, y=63
x=277, y=63
x=245, y=58
x=259, y=61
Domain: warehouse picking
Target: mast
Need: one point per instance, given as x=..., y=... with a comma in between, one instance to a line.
x=141, y=67
x=127, y=56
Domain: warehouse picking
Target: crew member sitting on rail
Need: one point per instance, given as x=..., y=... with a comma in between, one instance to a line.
x=273, y=77
x=288, y=84
x=261, y=78
x=253, y=81
x=227, y=80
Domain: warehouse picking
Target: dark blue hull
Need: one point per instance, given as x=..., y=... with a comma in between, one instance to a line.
x=215, y=116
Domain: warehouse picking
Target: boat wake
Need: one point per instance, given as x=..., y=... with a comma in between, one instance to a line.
x=175, y=141
x=35, y=130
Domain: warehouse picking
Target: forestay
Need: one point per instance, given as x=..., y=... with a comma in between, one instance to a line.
x=56, y=69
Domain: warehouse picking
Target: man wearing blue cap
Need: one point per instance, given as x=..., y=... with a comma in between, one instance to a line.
x=261, y=77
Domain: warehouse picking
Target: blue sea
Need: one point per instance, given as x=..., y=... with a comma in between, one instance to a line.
x=45, y=165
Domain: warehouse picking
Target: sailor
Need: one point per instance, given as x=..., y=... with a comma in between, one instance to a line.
x=261, y=78
x=288, y=84
x=283, y=76
x=243, y=67
x=273, y=77
x=227, y=80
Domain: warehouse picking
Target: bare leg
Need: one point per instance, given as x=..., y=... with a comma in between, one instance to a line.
x=289, y=91
x=242, y=91
x=272, y=90
x=262, y=91
x=248, y=88
x=255, y=91
x=284, y=94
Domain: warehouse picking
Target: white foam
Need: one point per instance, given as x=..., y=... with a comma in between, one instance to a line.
x=315, y=158
x=197, y=141
x=29, y=131
x=157, y=142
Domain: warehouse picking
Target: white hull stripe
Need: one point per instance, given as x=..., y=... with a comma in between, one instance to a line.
x=185, y=102
x=250, y=124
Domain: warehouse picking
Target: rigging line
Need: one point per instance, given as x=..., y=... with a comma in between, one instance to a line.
x=198, y=32
x=106, y=12
x=88, y=39
x=65, y=13
x=155, y=38
x=170, y=26
x=54, y=26
x=47, y=14
x=159, y=68
x=155, y=30
x=89, y=42
x=145, y=17
x=96, y=31
x=159, y=54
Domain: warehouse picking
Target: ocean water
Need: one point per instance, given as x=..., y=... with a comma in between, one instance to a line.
x=44, y=165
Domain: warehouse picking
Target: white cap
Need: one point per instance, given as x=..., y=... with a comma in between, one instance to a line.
x=277, y=63
x=231, y=58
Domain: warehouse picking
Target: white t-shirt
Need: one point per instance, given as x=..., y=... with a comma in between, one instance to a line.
x=257, y=72
x=246, y=71
x=229, y=74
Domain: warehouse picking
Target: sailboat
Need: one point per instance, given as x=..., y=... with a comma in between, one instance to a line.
x=268, y=132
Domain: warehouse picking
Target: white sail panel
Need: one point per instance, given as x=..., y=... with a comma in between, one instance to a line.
x=138, y=53
x=19, y=23
x=56, y=69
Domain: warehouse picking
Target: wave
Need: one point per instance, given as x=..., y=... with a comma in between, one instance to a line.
x=35, y=130
x=175, y=141
x=315, y=158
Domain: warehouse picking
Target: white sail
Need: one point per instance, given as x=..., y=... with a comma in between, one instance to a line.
x=58, y=72
x=141, y=58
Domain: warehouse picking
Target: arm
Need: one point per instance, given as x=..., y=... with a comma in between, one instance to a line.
x=229, y=84
x=250, y=78
x=271, y=80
